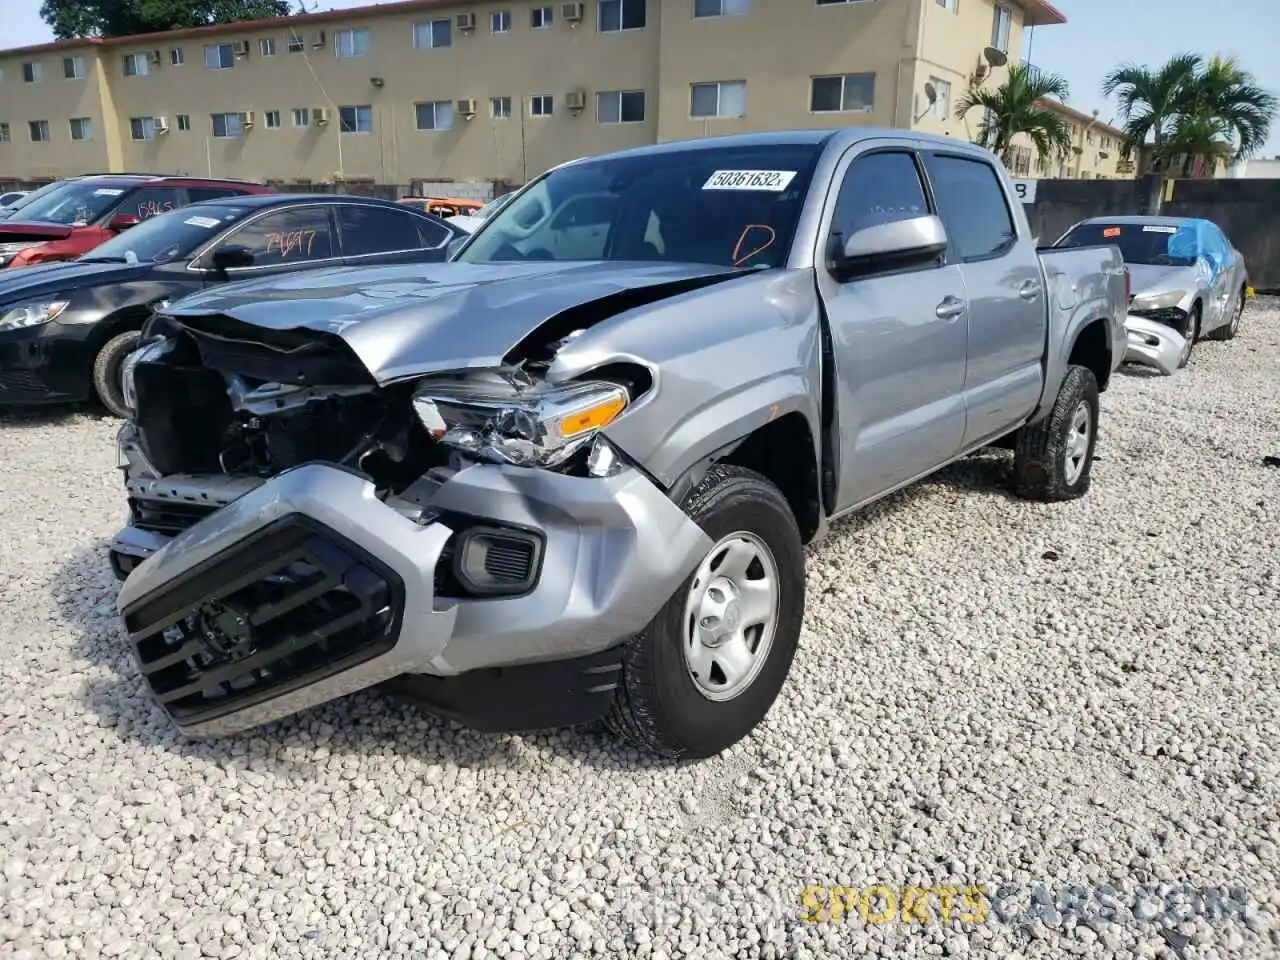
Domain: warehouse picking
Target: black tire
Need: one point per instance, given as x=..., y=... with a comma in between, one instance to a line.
x=106, y=371
x=1191, y=333
x=1229, y=330
x=1040, y=468
x=658, y=705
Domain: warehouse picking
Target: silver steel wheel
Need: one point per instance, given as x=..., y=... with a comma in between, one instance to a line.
x=1078, y=443
x=731, y=615
x=1188, y=342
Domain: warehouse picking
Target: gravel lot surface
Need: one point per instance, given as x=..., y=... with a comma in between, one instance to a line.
x=988, y=692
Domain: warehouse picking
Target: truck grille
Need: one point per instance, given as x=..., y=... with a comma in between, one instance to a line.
x=166, y=516
x=292, y=604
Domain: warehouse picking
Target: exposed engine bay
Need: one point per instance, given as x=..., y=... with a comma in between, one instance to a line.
x=210, y=402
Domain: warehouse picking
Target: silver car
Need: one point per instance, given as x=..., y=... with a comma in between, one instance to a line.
x=1186, y=282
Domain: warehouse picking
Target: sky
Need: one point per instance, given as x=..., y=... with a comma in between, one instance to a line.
x=1098, y=35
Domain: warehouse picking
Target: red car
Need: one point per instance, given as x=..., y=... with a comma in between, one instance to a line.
x=86, y=211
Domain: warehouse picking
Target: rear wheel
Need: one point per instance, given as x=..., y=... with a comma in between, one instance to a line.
x=706, y=671
x=1228, y=331
x=1190, y=334
x=106, y=371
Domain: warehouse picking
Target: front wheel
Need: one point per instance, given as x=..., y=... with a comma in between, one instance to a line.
x=1190, y=334
x=107, y=383
x=1053, y=459
x=706, y=671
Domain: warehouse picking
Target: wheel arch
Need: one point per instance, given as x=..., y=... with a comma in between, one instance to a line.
x=782, y=451
x=1091, y=349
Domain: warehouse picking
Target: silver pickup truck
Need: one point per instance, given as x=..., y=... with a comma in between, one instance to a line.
x=570, y=475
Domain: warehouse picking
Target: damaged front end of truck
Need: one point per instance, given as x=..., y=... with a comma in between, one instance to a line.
x=319, y=507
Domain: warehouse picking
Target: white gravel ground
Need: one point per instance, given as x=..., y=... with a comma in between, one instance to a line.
x=988, y=692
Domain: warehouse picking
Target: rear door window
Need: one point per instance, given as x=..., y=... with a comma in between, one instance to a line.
x=972, y=205
x=369, y=230
x=200, y=194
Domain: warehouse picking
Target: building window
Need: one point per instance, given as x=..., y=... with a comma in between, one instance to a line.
x=4, y=133
x=144, y=128
x=1000, y=27
x=706, y=9
x=500, y=108
x=433, y=35
x=81, y=128
x=351, y=43
x=177, y=57
x=620, y=106
x=500, y=21
x=843, y=93
x=541, y=18
x=184, y=122
x=271, y=119
x=32, y=71
x=948, y=5
x=301, y=117
x=226, y=126
x=541, y=105
x=219, y=56
x=73, y=68
x=942, y=104
x=725, y=99
x=297, y=43
x=616, y=15
x=437, y=115
x=355, y=119
x=136, y=65
x=39, y=131
x=267, y=46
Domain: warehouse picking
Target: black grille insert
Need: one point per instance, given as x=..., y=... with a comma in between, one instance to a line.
x=286, y=607
x=168, y=517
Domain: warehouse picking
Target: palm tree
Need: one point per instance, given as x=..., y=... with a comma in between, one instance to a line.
x=1191, y=108
x=1225, y=95
x=1151, y=100
x=1014, y=107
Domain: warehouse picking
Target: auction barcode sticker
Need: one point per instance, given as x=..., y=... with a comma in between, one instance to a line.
x=774, y=180
x=207, y=222
x=1160, y=229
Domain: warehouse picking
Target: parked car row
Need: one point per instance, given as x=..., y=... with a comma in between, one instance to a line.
x=568, y=471
x=66, y=327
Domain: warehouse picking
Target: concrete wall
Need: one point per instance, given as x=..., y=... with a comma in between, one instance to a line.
x=1248, y=211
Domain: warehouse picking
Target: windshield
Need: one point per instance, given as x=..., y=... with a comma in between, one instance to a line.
x=168, y=236
x=76, y=204
x=729, y=206
x=24, y=202
x=1143, y=243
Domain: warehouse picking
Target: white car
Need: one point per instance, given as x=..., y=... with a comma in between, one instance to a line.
x=11, y=196
x=471, y=222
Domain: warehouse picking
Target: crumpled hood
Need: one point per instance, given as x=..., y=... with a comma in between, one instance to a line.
x=414, y=319
x=1148, y=278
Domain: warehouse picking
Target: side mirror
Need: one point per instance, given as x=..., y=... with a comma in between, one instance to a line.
x=889, y=246
x=230, y=258
x=123, y=221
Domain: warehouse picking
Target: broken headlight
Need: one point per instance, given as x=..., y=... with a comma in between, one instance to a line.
x=151, y=351
x=510, y=418
x=1156, y=301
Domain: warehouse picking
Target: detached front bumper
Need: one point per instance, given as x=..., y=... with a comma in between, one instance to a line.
x=308, y=587
x=1153, y=344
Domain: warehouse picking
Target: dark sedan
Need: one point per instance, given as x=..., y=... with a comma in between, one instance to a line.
x=65, y=328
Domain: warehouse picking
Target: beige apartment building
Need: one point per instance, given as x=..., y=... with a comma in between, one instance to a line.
x=500, y=89
x=1095, y=150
